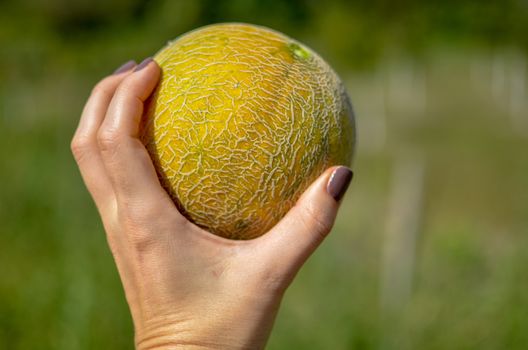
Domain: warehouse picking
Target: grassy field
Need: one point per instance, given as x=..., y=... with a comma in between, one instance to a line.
x=467, y=287
x=429, y=251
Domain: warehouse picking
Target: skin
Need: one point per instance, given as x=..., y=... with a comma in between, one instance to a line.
x=186, y=287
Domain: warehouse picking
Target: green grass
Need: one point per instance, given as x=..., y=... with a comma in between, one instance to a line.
x=59, y=288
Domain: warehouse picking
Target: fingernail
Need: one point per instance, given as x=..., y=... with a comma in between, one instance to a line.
x=126, y=66
x=339, y=181
x=143, y=64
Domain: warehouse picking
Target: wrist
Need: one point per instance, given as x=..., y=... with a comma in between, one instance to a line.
x=168, y=333
x=219, y=336
x=230, y=325
x=210, y=330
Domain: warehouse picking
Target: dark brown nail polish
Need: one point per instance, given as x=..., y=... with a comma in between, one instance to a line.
x=339, y=181
x=143, y=64
x=126, y=66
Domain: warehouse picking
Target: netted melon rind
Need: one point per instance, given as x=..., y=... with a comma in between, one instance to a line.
x=243, y=120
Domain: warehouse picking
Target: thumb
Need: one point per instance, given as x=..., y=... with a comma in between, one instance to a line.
x=305, y=226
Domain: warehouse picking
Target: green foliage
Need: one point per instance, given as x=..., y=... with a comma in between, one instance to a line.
x=441, y=77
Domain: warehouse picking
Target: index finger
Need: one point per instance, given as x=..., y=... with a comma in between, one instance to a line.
x=84, y=143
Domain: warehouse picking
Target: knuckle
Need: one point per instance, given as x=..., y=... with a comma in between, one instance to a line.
x=138, y=219
x=138, y=234
x=141, y=213
x=137, y=214
x=102, y=88
x=126, y=88
x=108, y=139
x=79, y=147
x=142, y=242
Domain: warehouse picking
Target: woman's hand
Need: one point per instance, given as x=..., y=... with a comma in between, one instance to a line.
x=186, y=287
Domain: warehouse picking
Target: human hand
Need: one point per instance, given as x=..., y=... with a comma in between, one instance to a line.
x=185, y=286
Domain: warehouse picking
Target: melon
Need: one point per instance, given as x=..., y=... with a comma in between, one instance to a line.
x=243, y=119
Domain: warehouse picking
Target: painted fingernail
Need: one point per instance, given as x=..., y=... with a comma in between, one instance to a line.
x=143, y=64
x=126, y=66
x=339, y=181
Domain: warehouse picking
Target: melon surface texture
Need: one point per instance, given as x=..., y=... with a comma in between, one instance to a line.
x=243, y=120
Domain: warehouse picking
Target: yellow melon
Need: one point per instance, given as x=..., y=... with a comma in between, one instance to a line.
x=243, y=120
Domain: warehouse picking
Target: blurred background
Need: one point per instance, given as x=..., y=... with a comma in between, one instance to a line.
x=430, y=250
